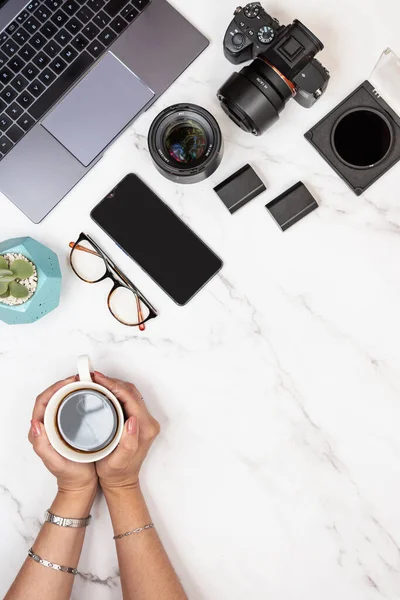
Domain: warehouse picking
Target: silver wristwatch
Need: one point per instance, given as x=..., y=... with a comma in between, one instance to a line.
x=66, y=522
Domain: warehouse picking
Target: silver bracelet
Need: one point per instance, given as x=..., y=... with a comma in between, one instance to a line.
x=66, y=522
x=137, y=530
x=51, y=565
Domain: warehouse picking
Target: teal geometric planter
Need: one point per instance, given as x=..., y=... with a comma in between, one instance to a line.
x=47, y=295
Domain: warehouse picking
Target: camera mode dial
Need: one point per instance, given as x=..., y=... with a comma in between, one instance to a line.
x=252, y=10
x=266, y=35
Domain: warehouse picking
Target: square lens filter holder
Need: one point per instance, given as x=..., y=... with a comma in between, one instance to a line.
x=360, y=138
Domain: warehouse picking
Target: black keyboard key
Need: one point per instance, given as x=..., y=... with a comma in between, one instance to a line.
x=42, y=13
x=61, y=85
x=118, y=24
x=37, y=41
x=14, y=111
x=5, y=145
x=53, y=4
x=32, y=25
x=59, y=18
x=19, y=83
x=140, y=4
x=58, y=65
x=63, y=37
x=26, y=52
x=15, y=63
x=41, y=60
x=102, y=20
x=5, y=123
x=21, y=36
x=15, y=133
x=25, y=99
x=3, y=105
x=91, y=31
x=96, y=48
x=3, y=59
x=74, y=26
x=26, y=122
x=33, y=5
x=10, y=47
x=114, y=6
x=30, y=72
x=70, y=7
x=22, y=16
x=68, y=54
x=5, y=75
x=8, y=94
x=85, y=14
x=47, y=77
x=36, y=88
x=12, y=27
x=132, y=15
x=48, y=29
x=107, y=36
x=52, y=48
x=80, y=42
x=96, y=5
x=127, y=9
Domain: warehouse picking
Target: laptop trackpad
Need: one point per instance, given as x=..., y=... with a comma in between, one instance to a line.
x=97, y=109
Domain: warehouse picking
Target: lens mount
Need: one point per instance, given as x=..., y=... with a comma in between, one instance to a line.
x=185, y=143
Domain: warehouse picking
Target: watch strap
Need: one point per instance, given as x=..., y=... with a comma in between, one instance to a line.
x=66, y=521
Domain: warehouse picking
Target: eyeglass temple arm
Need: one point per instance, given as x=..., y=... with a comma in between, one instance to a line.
x=142, y=327
x=78, y=247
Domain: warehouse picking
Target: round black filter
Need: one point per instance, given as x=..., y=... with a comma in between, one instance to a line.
x=254, y=97
x=362, y=138
x=185, y=143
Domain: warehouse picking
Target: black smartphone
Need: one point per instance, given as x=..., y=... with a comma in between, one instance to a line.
x=157, y=239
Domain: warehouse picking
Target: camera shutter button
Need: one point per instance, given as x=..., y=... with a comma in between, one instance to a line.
x=238, y=39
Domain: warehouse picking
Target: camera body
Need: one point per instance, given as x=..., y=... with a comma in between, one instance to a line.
x=284, y=67
x=250, y=33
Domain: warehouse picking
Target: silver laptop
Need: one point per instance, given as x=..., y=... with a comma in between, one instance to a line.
x=73, y=75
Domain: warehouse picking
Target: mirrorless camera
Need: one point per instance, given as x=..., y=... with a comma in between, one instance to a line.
x=284, y=67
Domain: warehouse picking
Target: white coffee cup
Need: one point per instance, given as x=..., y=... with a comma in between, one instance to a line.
x=83, y=420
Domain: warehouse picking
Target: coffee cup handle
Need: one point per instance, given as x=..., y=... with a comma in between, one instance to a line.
x=84, y=368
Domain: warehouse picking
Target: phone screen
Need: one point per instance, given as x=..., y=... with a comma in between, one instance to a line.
x=150, y=232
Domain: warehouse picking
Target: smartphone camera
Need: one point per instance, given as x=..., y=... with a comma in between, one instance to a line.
x=185, y=143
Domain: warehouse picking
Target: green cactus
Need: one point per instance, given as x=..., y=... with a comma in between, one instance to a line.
x=10, y=276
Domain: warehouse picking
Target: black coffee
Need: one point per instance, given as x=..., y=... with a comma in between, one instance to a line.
x=87, y=420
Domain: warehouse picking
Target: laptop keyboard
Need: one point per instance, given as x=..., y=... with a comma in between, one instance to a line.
x=46, y=49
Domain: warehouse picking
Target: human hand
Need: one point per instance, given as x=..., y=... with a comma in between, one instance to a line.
x=121, y=468
x=71, y=476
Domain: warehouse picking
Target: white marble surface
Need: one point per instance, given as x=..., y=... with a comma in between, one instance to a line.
x=277, y=471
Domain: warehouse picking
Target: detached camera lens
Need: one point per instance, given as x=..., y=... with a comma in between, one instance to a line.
x=185, y=143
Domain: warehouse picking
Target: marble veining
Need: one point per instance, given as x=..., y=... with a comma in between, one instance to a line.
x=277, y=388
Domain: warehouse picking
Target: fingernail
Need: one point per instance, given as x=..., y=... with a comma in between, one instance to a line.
x=132, y=425
x=99, y=374
x=35, y=428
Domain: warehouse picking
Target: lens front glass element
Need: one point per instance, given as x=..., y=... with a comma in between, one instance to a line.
x=87, y=263
x=186, y=142
x=127, y=307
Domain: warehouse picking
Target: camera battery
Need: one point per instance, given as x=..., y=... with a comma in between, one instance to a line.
x=291, y=206
x=240, y=188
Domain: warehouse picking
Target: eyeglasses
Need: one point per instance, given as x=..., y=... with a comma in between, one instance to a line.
x=125, y=302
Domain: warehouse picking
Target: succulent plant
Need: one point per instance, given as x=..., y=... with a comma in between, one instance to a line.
x=11, y=275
